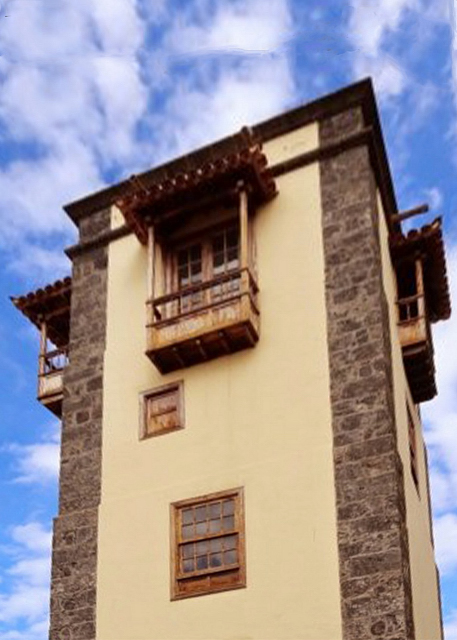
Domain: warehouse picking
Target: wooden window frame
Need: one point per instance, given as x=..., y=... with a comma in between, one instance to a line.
x=205, y=240
x=177, y=386
x=209, y=580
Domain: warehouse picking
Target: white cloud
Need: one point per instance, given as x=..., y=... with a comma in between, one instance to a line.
x=241, y=95
x=220, y=94
x=370, y=22
x=25, y=596
x=35, y=631
x=244, y=26
x=445, y=530
x=369, y=25
x=389, y=78
x=38, y=462
x=32, y=536
x=72, y=95
x=74, y=86
x=450, y=626
x=39, y=265
x=453, y=25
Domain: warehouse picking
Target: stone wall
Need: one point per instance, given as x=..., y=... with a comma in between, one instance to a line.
x=371, y=519
x=74, y=559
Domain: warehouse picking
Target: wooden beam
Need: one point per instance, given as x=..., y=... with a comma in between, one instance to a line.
x=409, y=213
x=178, y=357
x=224, y=341
x=201, y=349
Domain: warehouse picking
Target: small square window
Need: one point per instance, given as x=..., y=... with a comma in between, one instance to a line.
x=161, y=410
x=207, y=544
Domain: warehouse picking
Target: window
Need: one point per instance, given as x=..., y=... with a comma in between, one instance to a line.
x=413, y=448
x=161, y=410
x=215, y=258
x=208, y=544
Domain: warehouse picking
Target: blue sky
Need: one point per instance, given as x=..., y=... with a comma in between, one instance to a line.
x=94, y=90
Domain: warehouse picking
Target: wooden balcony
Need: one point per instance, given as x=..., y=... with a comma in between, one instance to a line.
x=417, y=347
x=203, y=321
x=50, y=379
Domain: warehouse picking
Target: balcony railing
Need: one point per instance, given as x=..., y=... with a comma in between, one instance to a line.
x=203, y=320
x=50, y=378
x=412, y=320
x=417, y=347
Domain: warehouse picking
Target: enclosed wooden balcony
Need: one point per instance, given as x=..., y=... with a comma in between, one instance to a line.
x=50, y=379
x=49, y=310
x=423, y=298
x=203, y=321
x=197, y=222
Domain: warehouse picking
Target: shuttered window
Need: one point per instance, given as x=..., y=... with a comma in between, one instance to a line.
x=161, y=410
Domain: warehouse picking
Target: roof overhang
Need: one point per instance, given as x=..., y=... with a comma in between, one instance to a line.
x=50, y=304
x=182, y=191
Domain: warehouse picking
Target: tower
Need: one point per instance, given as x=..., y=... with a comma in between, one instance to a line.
x=238, y=360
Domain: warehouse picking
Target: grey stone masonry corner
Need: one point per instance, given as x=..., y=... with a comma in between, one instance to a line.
x=371, y=520
x=74, y=555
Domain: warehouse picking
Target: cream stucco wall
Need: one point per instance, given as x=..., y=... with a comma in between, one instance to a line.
x=292, y=144
x=423, y=573
x=259, y=419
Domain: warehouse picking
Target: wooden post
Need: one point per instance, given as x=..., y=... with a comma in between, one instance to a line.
x=43, y=349
x=159, y=276
x=244, y=227
x=42, y=356
x=420, y=288
x=150, y=276
x=244, y=247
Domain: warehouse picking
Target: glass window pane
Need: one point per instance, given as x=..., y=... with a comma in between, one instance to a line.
x=232, y=238
x=216, y=559
x=215, y=510
x=202, y=562
x=214, y=526
x=218, y=244
x=230, y=557
x=202, y=547
x=216, y=545
x=228, y=523
x=188, y=565
x=195, y=252
x=200, y=514
x=183, y=257
x=188, y=531
x=187, y=551
x=229, y=542
x=228, y=507
x=218, y=259
x=187, y=516
x=200, y=528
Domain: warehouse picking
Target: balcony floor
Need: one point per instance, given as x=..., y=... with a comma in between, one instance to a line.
x=207, y=346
